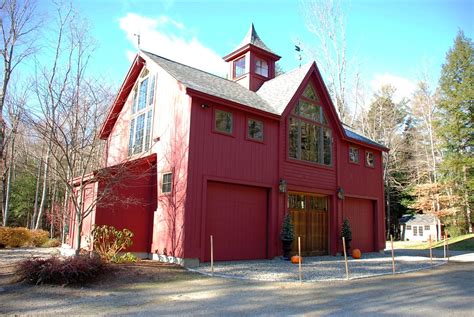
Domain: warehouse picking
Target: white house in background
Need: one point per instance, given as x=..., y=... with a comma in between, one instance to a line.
x=420, y=227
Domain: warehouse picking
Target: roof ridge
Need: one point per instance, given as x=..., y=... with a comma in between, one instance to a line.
x=173, y=61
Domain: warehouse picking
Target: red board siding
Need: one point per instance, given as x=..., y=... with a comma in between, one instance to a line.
x=360, y=213
x=236, y=217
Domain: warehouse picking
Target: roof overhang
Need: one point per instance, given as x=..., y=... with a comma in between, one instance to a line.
x=244, y=49
x=122, y=96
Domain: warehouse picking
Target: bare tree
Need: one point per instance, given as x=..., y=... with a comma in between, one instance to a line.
x=18, y=24
x=327, y=21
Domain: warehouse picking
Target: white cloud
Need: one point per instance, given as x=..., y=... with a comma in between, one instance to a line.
x=405, y=87
x=167, y=37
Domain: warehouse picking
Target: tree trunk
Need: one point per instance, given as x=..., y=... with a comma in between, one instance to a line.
x=38, y=180
x=45, y=185
x=466, y=201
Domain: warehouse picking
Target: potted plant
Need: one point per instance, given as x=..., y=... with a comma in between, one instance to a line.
x=347, y=234
x=287, y=236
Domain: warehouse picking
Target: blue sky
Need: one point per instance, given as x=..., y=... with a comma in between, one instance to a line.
x=391, y=40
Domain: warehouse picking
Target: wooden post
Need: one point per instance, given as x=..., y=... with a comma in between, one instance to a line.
x=393, y=255
x=299, y=258
x=444, y=247
x=431, y=252
x=212, y=256
x=345, y=257
x=447, y=246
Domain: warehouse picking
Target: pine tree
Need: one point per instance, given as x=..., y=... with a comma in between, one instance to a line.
x=455, y=127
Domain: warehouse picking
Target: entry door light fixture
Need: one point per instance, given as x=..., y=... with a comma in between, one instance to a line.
x=282, y=186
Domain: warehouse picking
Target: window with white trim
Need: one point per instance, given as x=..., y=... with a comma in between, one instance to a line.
x=261, y=67
x=239, y=67
x=167, y=183
x=142, y=114
x=427, y=227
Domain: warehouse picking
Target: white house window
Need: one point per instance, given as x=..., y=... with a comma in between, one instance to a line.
x=353, y=154
x=408, y=227
x=369, y=159
x=420, y=231
x=255, y=129
x=166, y=183
x=415, y=231
x=239, y=67
x=223, y=121
x=142, y=114
x=427, y=227
x=261, y=67
x=310, y=138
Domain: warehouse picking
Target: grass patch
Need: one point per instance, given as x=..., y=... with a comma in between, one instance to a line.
x=461, y=243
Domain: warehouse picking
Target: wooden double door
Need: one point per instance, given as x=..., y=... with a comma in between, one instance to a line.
x=310, y=214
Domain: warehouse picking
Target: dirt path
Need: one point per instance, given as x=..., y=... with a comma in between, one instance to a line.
x=155, y=290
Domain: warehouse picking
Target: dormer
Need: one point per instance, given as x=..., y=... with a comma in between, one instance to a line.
x=252, y=63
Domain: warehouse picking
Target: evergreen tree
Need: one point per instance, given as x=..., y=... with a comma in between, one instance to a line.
x=455, y=127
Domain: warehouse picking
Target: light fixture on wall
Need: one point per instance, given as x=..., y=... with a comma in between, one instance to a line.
x=340, y=193
x=282, y=186
x=204, y=106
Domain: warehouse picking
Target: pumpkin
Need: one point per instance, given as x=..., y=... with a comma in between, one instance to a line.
x=296, y=259
x=356, y=254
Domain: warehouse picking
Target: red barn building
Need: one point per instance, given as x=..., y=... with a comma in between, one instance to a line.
x=230, y=157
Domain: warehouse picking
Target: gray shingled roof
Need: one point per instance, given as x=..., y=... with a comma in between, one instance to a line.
x=253, y=38
x=351, y=133
x=211, y=84
x=418, y=219
x=272, y=97
x=279, y=90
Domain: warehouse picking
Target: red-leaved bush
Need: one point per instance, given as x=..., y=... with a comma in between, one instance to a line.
x=53, y=270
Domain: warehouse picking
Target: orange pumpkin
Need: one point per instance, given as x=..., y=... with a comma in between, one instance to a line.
x=296, y=259
x=356, y=254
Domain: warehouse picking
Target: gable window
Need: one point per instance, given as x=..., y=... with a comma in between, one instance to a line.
x=369, y=159
x=239, y=67
x=166, y=183
x=408, y=227
x=142, y=114
x=310, y=137
x=261, y=67
x=353, y=154
x=255, y=129
x=223, y=121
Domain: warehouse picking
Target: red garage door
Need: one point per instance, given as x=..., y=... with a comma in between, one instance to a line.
x=236, y=217
x=361, y=218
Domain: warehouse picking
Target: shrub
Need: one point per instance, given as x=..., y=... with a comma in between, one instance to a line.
x=38, y=237
x=287, y=231
x=51, y=243
x=108, y=241
x=14, y=237
x=125, y=258
x=53, y=270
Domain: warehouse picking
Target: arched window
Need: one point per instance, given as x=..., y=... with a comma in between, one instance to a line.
x=310, y=137
x=142, y=113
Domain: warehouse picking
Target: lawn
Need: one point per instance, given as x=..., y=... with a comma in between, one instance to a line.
x=461, y=243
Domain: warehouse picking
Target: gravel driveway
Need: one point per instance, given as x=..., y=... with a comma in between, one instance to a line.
x=321, y=268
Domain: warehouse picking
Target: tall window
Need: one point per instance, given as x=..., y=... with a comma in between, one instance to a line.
x=255, y=129
x=166, y=183
x=261, y=67
x=369, y=159
x=310, y=138
x=142, y=114
x=239, y=67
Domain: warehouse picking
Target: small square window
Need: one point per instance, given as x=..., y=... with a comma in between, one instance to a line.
x=166, y=183
x=239, y=67
x=353, y=154
x=369, y=159
x=427, y=227
x=223, y=121
x=255, y=129
x=408, y=227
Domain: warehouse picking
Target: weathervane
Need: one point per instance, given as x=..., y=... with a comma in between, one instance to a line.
x=299, y=50
x=138, y=39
